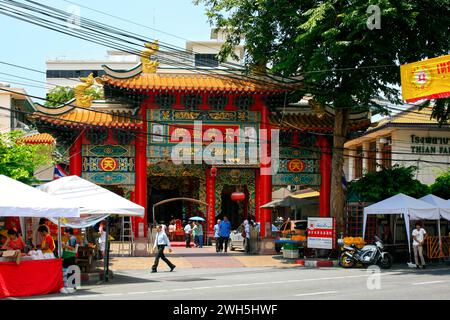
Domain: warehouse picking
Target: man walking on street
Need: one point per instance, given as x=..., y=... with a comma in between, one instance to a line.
x=418, y=239
x=216, y=235
x=161, y=241
x=187, y=234
x=224, y=233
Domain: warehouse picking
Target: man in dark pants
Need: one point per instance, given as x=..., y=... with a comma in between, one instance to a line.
x=161, y=241
x=224, y=233
x=187, y=233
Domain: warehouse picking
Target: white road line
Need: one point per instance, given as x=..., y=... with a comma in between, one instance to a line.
x=223, y=286
x=201, y=288
x=429, y=282
x=315, y=293
x=111, y=294
x=142, y=292
x=156, y=291
x=181, y=289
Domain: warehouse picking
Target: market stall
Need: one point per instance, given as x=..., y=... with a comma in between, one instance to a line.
x=411, y=209
x=95, y=204
x=438, y=246
x=30, y=274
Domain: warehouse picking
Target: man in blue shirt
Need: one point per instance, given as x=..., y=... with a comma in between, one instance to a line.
x=224, y=233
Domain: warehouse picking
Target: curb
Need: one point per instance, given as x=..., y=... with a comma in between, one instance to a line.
x=317, y=263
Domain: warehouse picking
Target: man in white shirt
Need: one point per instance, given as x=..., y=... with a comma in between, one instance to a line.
x=418, y=239
x=187, y=233
x=161, y=241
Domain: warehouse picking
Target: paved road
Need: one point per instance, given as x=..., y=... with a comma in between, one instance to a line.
x=270, y=283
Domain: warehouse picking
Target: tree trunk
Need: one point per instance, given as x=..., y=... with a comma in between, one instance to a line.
x=337, y=197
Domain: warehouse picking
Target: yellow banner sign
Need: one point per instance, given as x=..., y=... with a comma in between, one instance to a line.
x=427, y=79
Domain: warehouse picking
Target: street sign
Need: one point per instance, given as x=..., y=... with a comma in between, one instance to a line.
x=321, y=233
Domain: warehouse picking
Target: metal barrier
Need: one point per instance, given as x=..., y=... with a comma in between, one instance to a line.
x=434, y=250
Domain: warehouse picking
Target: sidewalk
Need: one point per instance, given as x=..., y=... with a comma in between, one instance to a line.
x=203, y=258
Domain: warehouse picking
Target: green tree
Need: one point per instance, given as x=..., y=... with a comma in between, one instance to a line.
x=333, y=45
x=60, y=95
x=380, y=185
x=19, y=161
x=441, y=187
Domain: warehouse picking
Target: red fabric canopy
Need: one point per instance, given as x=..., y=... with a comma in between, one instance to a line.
x=30, y=278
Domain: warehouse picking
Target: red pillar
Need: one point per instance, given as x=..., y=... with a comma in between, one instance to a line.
x=257, y=197
x=140, y=191
x=211, y=201
x=265, y=178
x=75, y=164
x=325, y=171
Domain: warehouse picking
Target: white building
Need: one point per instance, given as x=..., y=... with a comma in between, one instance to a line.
x=410, y=138
x=13, y=108
x=197, y=55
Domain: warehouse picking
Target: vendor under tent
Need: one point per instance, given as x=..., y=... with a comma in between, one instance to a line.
x=95, y=203
x=31, y=277
x=444, y=211
x=410, y=208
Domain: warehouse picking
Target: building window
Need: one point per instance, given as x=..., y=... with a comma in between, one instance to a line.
x=206, y=60
x=372, y=157
x=358, y=162
x=73, y=73
x=386, y=155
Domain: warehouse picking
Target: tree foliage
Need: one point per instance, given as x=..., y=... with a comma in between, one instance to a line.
x=380, y=185
x=441, y=187
x=330, y=44
x=19, y=161
x=60, y=95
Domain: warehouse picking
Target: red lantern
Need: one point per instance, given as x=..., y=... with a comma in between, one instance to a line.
x=237, y=196
x=213, y=171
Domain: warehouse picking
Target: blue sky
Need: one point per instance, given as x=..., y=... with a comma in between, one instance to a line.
x=29, y=45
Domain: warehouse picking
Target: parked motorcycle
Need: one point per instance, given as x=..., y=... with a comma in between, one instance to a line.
x=368, y=255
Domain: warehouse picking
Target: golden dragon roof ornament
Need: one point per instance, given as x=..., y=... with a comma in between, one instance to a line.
x=148, y=65
x=82, y=98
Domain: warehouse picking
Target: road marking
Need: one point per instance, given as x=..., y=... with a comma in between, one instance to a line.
x=430, y=282
x=223, y=286
x=314, y=293
x=181, y=289
x=200, y=288
x=142, y=292
x=156, y=291
x=111, y=294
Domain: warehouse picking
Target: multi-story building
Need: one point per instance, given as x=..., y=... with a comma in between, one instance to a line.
x=409, y=138
x=197, y=54
x=14, y=104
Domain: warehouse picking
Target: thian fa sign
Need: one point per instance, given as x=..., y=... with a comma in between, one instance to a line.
x=427, y=79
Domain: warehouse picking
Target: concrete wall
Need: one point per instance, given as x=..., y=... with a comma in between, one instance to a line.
x=5, y=116
x=428, y=171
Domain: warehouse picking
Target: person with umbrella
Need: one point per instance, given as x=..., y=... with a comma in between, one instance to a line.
x=198, y=234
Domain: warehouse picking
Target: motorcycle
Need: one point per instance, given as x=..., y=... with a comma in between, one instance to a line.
x=368, y=255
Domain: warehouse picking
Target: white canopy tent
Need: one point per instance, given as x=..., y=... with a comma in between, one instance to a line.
x=410, y=208
x=20, y=200
x=91, y=198
x=443, y=205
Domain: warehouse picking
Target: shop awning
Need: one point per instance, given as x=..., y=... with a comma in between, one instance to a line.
x=91, y=198
x=20, y=200
x=310, y=194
